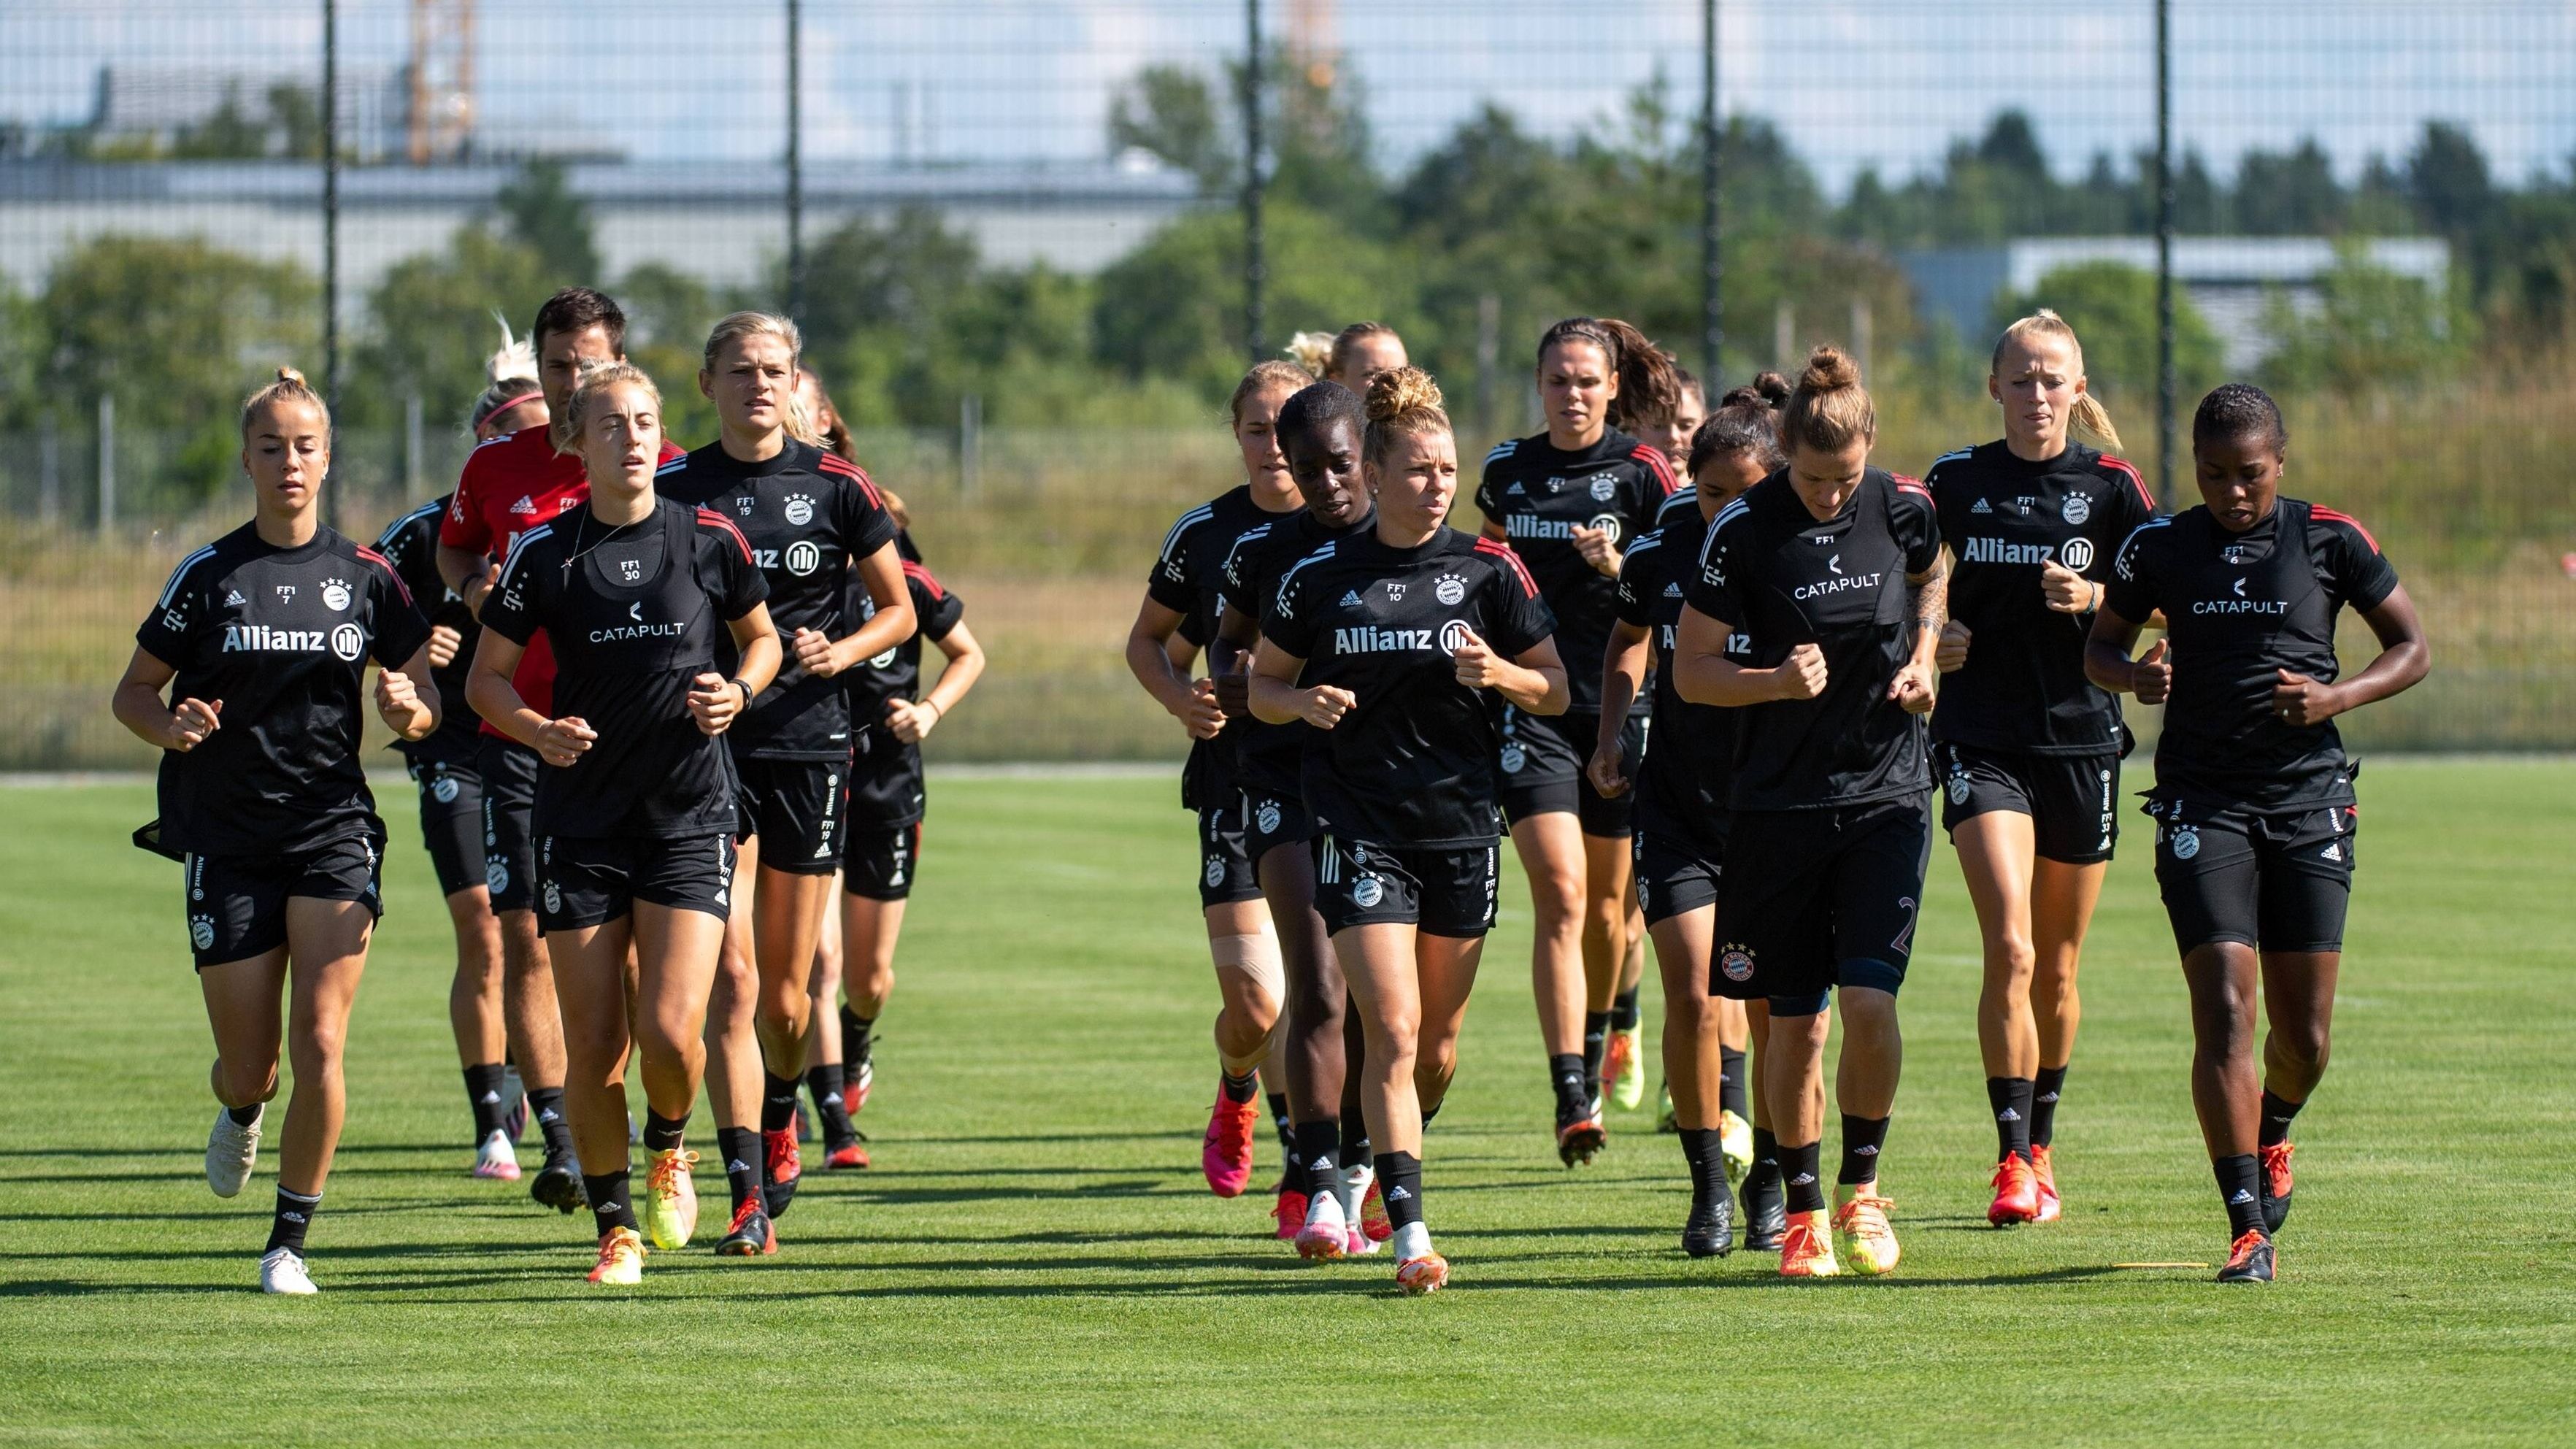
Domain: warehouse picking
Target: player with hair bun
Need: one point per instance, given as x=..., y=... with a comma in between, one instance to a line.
x=1352, y=357
x=261, y=640
x=2027, y=749
x=2254, y=806
x=1831, y=570
x=1567, y=501
x=1391, y=645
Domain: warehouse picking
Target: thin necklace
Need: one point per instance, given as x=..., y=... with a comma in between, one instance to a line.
x=579, y=525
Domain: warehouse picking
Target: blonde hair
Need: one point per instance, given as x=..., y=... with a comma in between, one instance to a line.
x=514, y=361
x=1402, y=403
x=1273, y=373
x=1312, y=351
x=1828, y=410
x=735, y=327
x=290, y=386
x=2088, y=412
x=596, y=379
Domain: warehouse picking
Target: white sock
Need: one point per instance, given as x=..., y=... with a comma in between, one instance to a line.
x=1354, y=1189
x=1324, y=1210
x=1412, y=1241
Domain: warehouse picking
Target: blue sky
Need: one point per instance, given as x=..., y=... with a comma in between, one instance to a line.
x=1853, y=83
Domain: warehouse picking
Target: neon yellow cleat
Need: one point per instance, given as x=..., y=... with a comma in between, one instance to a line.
x=621, y=1259
x=1625, y=1069
x=670, y=1199
x=1735, y=1143
x=1861, y=1230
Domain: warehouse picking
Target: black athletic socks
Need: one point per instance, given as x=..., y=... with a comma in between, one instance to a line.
x=742, y=1161
x=1318, y=1145
x=1625, y=1014
x=1703, y=1149
x=1766, y=1160
x=1731, y=1095
x=661, y=1133
x=1399, y=1182
x=2010, y=1097
x=830, y=1106
x=2240, y=1186
x=777, y=1103
x=483, y=1094
x=854, y=1037
x=2276, y=1119
x=1240, y=1089
x=1596, y=1044
x=1287, y=1129
x=2043, y=1105
x=612, y=1203
x=244, y=1116
x=1802, y=1177
x=547, y=1104
x=1574, y=1089
x=1355, y=1139
x=1862, y=1137
x=294, y=1215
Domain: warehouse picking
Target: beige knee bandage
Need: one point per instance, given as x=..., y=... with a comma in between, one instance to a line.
x=1256, y=955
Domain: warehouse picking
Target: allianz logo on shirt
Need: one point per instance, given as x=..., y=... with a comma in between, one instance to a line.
x=348, y=641
x=1997, y=551
x=1369, y=639
x=1530, y=525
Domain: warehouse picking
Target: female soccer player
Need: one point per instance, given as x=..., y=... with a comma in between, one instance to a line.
x=635, y=811
x=1567, y=500
x=1832, y=570
x=813, y=522
x=443, y=769
x=1320, y=431
x=1387, y=643
x=1352, y=357
x=1184, y=595
x=2254, y=804
x=2027, y=749
x=267, y=632
x=1681, y=790
x=889, y=718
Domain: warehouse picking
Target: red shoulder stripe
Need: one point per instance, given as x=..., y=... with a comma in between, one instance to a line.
x=2123, y=465
x=1905, y=484
x=915, y=571
x=2328, y=515
x=395, y=574
x=839, y=466
x=670, y=450
x=1496, y=548
x=1657, y=464
x=707, y=516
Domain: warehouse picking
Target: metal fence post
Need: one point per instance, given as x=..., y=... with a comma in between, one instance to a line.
x=795, y=162
x=1489, y=353
x=415, y=466
x=331, y=240
x=1712, y=314
x=49, y=472
x=970, y=444
x=1255, y=270
x=1784, y=337
x=1863, y=333
x=2166, y=384
x=106, y=462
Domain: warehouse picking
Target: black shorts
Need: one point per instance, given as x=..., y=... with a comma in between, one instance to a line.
x=1675, y=875
x=1271, y=821
x=797, y=809
x=1225, y=870
x=509, y=771
x=878, y=861
x=451, y=821
x=590, y=880
x=237, y=903
x=1815, y=899
x=2275, y=882
x=1443, y=890
x=1542, y=770
x=2067, y=797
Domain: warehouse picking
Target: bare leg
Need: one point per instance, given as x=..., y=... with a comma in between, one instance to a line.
x=1692, y=1018
x=2225, y=1092
x=1551, y=852
x=733, y=1006
x=474, y=995
x=1995, y=854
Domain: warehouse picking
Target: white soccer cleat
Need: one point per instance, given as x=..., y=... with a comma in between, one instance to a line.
x=498, y=1161
x=1327, y=1233
x=281, y=1270
x=231, y=1150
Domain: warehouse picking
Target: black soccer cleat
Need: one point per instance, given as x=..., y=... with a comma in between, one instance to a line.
x=2249, y=1260
x=752, y=1235
x=1766, y=1214
x=1710, y=1230
x=558, y=1185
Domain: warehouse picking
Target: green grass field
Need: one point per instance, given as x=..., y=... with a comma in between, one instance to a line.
x=1036, y=1258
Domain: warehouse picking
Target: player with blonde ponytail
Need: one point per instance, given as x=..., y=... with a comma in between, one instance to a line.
x=2028, y=750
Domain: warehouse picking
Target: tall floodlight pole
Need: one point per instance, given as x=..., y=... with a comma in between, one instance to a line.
x=2166, y=385
x=1712, y=266
x=331, y=231
x=795, y=161
x=1256, y=275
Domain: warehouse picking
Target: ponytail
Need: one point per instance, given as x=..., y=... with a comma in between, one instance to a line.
x=1650, y=384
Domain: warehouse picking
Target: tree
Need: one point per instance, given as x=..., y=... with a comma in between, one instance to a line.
x=1168, y=112
x=2112, y=308
x=2370, y=329
x=545, y=216
x=434, y=325
x=2288, y=195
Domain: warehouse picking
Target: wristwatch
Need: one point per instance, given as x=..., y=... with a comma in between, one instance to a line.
x=737, y=683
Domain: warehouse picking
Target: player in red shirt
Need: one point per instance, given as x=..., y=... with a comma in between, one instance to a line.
x=511, y=484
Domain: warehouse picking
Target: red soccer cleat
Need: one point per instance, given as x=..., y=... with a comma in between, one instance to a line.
x=2016, y=1193
x=2045, y=1171
x=1226, y=1153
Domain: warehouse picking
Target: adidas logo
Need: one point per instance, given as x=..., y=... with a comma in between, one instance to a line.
x=2331, y=852
x=1672, y=591
x=737, y=1165
x=492, y=1097
x=2008, y=1115
x=613, y=1207
x=1979, y=507
x=234, y=600
x=1864, y=1152
x=1802, y=1179
x=1399, y=1195
x=526, y=505
x=1351, y=599
x=2241, y=1196
x=2050, y=1097
x=550, y=1115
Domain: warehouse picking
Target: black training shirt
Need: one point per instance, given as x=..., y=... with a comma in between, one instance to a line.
x=2239, y=607
x=1690, y=756
x=2023, y=687
x=1772, y=570
x=279, y=638
x=410, y=544
x=1271, y=757
x=1539, y=495
x=809, y=516
x=1413, y=762
x=635, y=613
x=1188, y=578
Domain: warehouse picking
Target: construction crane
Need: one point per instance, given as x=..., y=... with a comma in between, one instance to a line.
x=1314, y=42
x=441, y=124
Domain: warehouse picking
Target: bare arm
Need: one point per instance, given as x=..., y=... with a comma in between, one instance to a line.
x=1912, y=686
x=1703, y=674
x=1535, y=680
x=1623, y=673
x=910, y=720
x=470, y=574
x=715, y=701
x=2404, y=659
x=2107, y=662
x=407, y=699
x=1276, y=698
x=488, y=689
x=881, y=573
x=138, y=706
x=1150, y=658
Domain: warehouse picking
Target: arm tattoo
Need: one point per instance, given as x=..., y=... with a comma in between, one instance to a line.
x=1932, y=597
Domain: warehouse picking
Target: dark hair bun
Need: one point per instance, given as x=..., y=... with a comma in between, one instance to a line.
x=1829, y=369
x=1773, y=387
x=1404, y=390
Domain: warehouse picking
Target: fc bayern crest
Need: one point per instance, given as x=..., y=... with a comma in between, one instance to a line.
x=800, y=510
x=2076, y=508
x=1450, y=589
x=2185, y=841
x=1604, y=488
x=1367, y=892
x=1735, y=964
